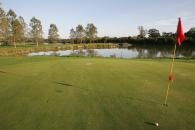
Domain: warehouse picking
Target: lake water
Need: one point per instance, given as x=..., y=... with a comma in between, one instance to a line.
x=121, y=53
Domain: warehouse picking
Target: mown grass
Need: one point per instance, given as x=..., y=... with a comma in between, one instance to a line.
x=94, y=93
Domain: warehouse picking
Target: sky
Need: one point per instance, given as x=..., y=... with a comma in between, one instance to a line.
x=114, y=18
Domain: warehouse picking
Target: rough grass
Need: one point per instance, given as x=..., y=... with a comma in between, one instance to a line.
x=94, y=93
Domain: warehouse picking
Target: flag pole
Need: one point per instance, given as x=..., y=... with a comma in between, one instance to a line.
x=170, y=76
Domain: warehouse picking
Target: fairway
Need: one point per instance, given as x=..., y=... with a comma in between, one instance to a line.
x=64, y=93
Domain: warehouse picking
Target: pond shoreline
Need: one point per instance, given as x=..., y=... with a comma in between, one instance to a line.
x=25, y=50
x=119, y=53
x=97, y=50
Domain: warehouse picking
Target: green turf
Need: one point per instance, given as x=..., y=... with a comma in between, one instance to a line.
x=95, y=94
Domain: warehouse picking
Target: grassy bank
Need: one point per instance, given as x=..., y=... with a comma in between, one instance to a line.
x=23, y=50
x=94, y=93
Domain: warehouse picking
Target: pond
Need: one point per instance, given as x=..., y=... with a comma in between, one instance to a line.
x=122, y=53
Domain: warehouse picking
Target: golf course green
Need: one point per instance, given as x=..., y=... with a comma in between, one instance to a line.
x=64, y=93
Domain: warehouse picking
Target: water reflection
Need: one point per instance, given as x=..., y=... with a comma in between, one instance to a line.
x=132, y=52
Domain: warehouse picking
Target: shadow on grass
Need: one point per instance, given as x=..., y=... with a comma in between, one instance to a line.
x=3, y=72
x=59, y=91
x=141, y=100
x=64, y=84
x=69, y=85
x=150, y=123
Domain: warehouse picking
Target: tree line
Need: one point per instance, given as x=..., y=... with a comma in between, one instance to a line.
x=80, y=35
x=152, y=37
x=14, y=30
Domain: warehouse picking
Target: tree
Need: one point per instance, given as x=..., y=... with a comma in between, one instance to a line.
x=154, y=33
x=105, y=39
x=24, y=31
x=168, y=34
x=142, y=32
x=4, y=30
x=53, y=33
x=80, y=33
x=191, y=33
x=36, y=30
x=91, y=32
x=11, y=15
x=72, y=35
x=18, y=33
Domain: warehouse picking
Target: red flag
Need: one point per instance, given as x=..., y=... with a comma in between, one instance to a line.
x=170, y=77
x=180, y=34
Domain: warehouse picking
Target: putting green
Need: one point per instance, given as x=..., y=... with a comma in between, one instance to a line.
x=94, y=93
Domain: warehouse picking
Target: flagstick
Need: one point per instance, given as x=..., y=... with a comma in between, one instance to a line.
x=170, y=81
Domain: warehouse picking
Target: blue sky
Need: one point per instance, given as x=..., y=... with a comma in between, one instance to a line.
x=112, y=17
